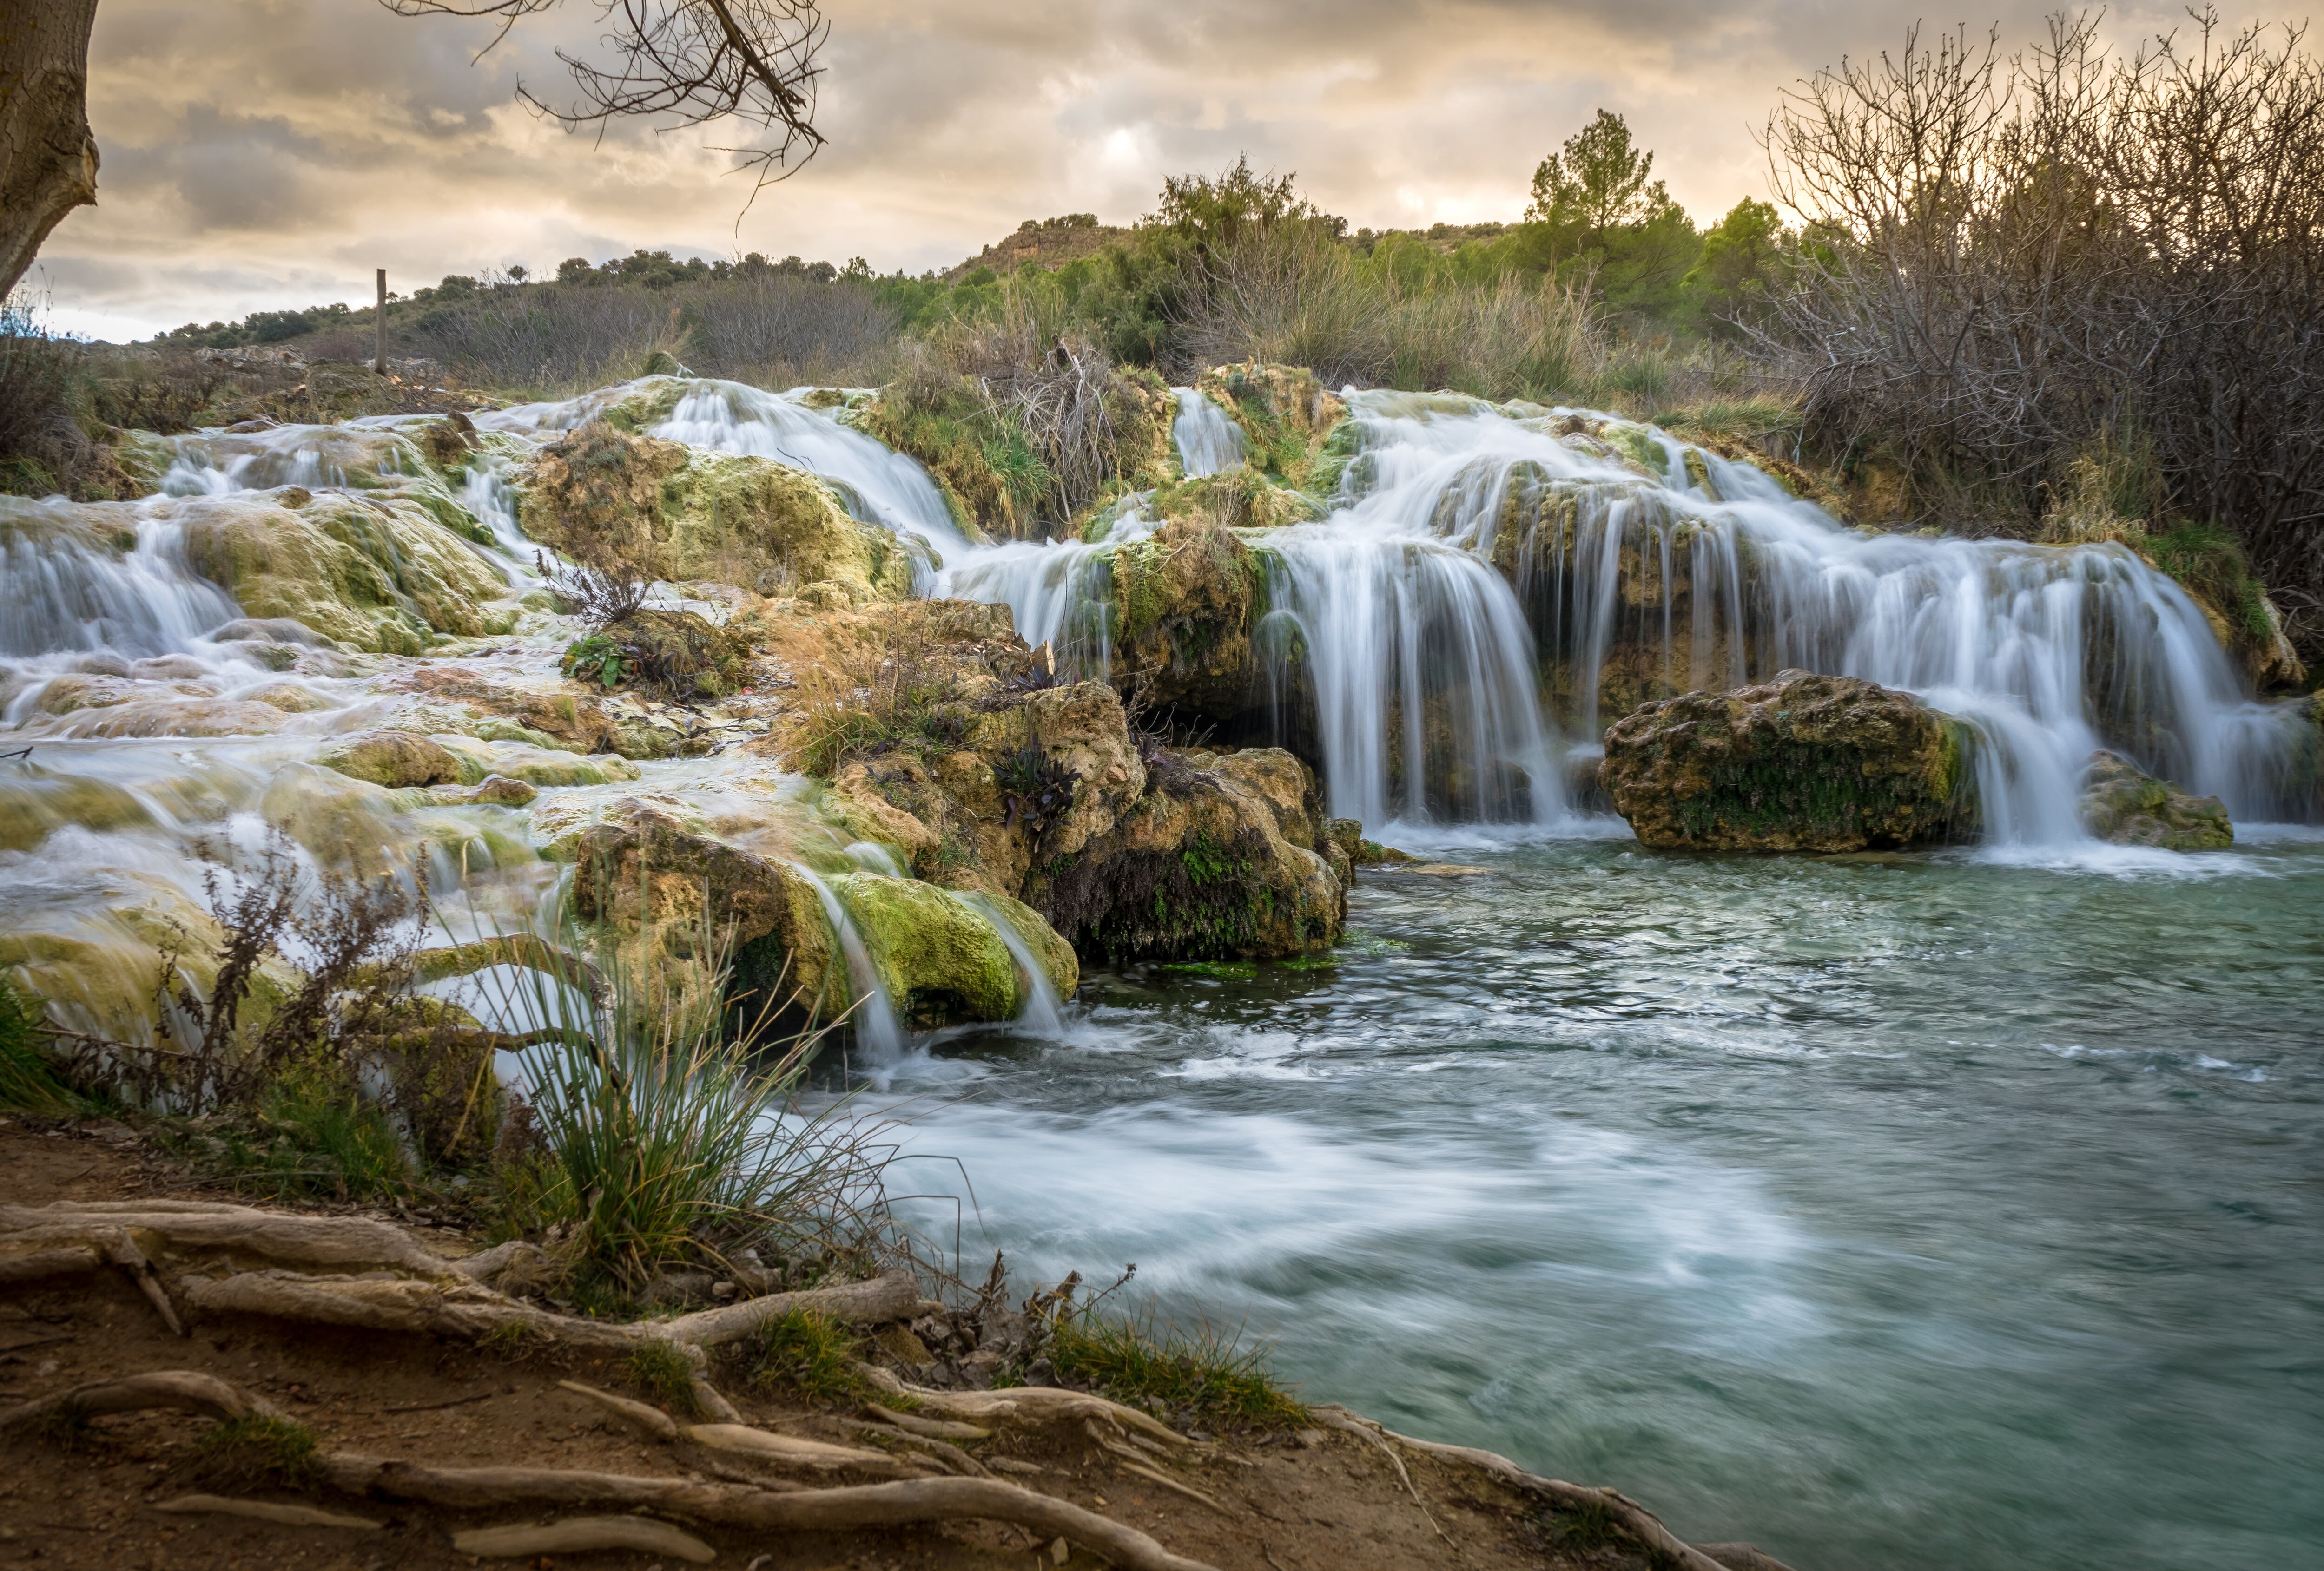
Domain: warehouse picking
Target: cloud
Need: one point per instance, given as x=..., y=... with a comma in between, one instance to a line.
x=272, y=152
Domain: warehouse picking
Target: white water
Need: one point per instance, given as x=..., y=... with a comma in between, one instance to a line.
x=1389, y=608
x=1208, y=441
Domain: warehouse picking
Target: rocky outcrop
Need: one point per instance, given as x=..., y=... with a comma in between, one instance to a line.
x=2124, y=804
x=1803, y=763
x=1184, y=603
x=683, y=514
x=990, y=778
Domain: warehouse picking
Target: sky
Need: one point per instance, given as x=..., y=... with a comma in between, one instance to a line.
x=258, y=154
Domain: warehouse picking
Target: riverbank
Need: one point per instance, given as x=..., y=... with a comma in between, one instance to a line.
x=1322, y=1490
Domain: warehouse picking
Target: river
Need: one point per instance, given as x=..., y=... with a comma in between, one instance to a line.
x=1908, y=1211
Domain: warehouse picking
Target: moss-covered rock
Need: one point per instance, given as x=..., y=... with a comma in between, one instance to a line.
x=654, y=878
x=939, y=958
x=1197, y=868
x=1185, y=603
x=371, y=574
x=2123, y=804
x=680, y=513
x=392, y=758
x=1803, y=763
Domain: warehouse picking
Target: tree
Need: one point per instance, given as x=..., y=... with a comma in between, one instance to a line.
x=1740, y=255
x=1597, y=183
x=48, y=156
x=1598, y=214
x=683, y=63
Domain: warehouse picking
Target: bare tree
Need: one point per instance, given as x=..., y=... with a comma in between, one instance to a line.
x=2007, y=264
x=684, y=62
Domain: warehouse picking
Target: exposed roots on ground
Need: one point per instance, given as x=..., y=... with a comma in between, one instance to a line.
x=436, y=1295
x=903, y=1502
x=1625, y=1512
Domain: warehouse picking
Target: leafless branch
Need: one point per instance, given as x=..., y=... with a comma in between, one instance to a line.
x=685, y=62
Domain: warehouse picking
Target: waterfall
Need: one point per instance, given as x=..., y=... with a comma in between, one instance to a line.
x=1208, y=441
x=1059, y=592
x=874, y=1015
x=1042, y=1014
x=879, y=485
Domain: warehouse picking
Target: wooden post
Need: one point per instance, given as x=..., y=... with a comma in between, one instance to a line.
x=379, y=359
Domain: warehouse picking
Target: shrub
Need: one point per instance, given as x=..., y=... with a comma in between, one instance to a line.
x=27, y=1082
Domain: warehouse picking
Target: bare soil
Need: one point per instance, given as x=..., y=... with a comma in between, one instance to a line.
x=1316, y=1500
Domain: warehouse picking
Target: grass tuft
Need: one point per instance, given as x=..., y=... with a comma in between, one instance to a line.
x=27, y=1083
x=252, y=1452
x=661, y=1370
x=810, y=1353
x=1204, y=1370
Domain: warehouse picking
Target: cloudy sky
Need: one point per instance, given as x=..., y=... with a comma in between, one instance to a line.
x=261, y=154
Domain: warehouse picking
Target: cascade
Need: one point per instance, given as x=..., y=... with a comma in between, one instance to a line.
x=63, y=594
x=1642, y=567
x=1208, y=441
x=873, y=1017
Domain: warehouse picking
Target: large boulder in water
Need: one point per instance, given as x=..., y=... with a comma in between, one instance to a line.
x=682, y=514
x=1804, y=763
x=2124, y=804
x=1209, y=862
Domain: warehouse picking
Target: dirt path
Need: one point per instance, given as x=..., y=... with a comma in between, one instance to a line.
x=1319, y=1499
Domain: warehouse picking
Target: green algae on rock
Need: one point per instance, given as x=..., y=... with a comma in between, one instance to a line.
x=2124, y=804
x=1803, y=763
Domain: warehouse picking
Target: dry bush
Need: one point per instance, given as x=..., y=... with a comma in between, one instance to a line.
x=2008, y=262
x=1296, y=295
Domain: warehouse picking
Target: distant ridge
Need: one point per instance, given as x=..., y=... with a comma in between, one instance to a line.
x=1051, y=241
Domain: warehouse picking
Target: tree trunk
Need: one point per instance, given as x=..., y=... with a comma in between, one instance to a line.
x=48, y=158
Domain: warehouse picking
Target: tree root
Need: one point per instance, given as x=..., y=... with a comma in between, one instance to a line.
x=1625, y=1512
x=949, y=1456
x=902, y=1503
x=1026, y=1403
x=281, y=1235
x=470, y=1310
x=42, y=1263
x=185, y=1390
x=738, y=1438
x=265, y=1510
x=578, y=1535
x=934, y=1429
x=1131, y=1460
